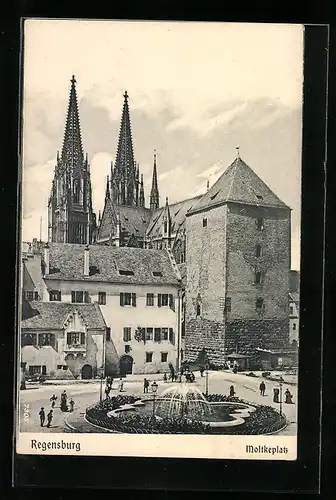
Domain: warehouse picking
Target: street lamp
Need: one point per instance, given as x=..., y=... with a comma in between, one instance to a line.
x=206, y=379
x=101, y=388
x=281, y=380
x=154, y=389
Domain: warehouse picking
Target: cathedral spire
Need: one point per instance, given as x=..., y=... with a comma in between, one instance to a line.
x=125, y=168
x=72, y=151
x=154, y=195
x=141, y=193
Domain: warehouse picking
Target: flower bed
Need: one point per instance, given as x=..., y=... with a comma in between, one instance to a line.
x=264, y=420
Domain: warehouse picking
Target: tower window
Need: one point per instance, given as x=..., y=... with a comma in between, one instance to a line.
x=205, y=222
x=294, y=326
x=260, y=224
x=260, y=304
x=227, y=307
x=165, y=226
x=258, y=251
x=258, y=277
x=76, y=192
x=198, y=310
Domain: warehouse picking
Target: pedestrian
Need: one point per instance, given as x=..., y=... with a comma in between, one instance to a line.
x=107, y=391
x=165, y=377
x=64, y=398
x=121, y=385
x=276, y=395
x=232, y=391
x=42, y=416
x=49, y=418
x=262, y=388
x=288, y=396
x=145, y=386
x=72, y=404
x=202, y=371
x=53, y=400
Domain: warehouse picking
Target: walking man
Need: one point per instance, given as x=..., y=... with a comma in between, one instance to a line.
x=72, y=404
x=42, y=416
x=232, y=391
x=262, y=388
x=49, y=418
x=53, y=400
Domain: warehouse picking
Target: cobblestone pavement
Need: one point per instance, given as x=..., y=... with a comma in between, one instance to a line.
x=84, y=395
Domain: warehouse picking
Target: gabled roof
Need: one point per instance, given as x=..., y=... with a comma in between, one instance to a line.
x=238, y=184
x=133, y=220
x=33, y=268
x=53, y=314
x=67, y=263
x=177, y=212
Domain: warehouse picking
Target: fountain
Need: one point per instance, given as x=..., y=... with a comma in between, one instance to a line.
x=183, y=401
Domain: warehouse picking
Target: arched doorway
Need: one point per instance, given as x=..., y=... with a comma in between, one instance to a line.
x=125, y=365
x=86, y=372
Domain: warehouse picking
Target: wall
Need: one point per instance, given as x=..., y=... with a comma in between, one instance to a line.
x=206, y=276
x=246, y=326
x=118, y=317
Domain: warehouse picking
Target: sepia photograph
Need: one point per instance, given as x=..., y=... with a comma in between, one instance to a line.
x=159, y=293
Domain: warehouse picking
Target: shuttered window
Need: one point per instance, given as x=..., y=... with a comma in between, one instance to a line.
x=127, y=299
x=157, y=334
x=163, y=299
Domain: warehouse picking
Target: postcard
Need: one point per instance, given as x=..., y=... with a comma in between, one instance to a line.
x=159, y=293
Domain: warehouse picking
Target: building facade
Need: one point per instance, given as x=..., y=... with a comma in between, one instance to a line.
x=137, y=292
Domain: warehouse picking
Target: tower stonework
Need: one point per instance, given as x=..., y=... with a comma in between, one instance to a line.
x=70, y=214
x=238, y=262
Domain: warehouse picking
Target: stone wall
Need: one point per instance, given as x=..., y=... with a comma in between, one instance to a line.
x=207, y=334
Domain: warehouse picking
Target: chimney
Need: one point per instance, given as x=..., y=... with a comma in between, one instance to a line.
x=86, y=261
x=46, y=259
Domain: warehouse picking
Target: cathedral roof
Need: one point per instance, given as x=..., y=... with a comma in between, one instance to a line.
x=238, y=184
x=111, y=264
x=177, y=212
x=133, y=220
x=72, y=150
x=51, y=315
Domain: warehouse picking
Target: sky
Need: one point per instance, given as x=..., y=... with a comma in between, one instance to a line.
x=197, y=91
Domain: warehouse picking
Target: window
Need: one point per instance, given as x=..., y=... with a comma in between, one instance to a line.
x=102, y=298
x=157, y=334
x=260, y=303
x=127, y=334
x=164, y=333
x=45, y=339
x=291, y=310
x=108, y=333
x=28, y=339
x=65, y=367
x=198, y=310
x=294, y=326
x=171, y=302
x=258, y=251
x=165, y=227
x=77, y=297
x=149, y=333
x=55, y=296
x=126, y=273
x=227, y=307
x=183, y=330
x=205, y=222
x=164, y=357
x=75, y=339
x=35, y=370
x=157, y=273
x=36, y=296
x=150, y=299
x=149, y=357
x=127, y=348
x=260, y=224
x=258, y=277
x=30, y=295
x=171, y=336
x=59, y=367
x=128, y=299
x=76, y=191
x=163, y=299
x=86, y=297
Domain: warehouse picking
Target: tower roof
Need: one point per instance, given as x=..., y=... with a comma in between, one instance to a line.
x=154, y=194
x=72, y=151
x=238, y=184
x=125, y=158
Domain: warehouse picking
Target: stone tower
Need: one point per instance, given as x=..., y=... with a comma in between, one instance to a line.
x=70, y=215
x=238, y=260
x=154, y=195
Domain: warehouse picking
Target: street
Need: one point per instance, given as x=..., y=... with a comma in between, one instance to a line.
x=86, y=394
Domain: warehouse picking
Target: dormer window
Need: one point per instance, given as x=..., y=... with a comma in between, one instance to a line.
x=126, y=272
x=157, y=273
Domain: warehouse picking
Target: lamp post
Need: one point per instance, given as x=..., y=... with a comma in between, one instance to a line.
x=280, y=400
x=154, y=389
x=101, y=388
x=206, y=379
